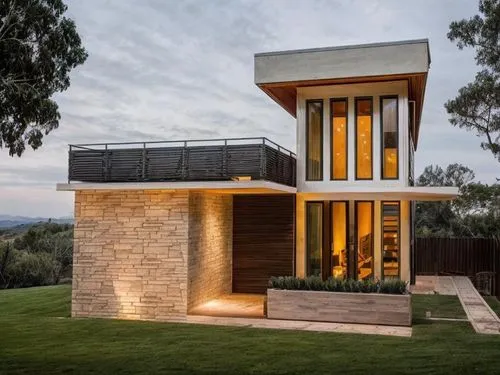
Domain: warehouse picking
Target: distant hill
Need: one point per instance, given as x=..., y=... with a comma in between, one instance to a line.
x=8, y=221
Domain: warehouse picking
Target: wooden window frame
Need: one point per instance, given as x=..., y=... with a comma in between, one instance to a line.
x=382, y=237
x=381, y=115
x=346, y=101
x=356, y=99
x=310, y=101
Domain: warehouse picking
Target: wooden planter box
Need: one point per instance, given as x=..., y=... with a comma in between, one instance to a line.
x=365, y=308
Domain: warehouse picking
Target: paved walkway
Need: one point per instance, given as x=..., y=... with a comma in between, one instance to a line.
x=480, y=315
x=301, y=325
x=434, y=284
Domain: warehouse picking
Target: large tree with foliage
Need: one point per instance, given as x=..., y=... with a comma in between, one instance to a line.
x=39, y=47
x=475, y=213
x=477, y=106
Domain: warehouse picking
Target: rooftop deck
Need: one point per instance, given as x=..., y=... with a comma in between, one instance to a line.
x=196, y=160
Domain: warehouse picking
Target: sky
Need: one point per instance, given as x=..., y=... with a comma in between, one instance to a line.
x=172, y=70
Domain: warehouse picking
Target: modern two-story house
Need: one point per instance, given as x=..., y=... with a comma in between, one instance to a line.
x=162, y=227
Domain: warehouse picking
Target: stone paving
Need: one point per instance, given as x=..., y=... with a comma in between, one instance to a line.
x=434, y=285
x=302, y=326
x=480, y=315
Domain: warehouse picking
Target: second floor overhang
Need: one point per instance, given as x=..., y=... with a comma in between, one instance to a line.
x=279, y=74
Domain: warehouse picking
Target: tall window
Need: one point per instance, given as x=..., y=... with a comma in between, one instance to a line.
x=389, y=132
x=314, y=240
x=364, y=165
x=411, y=147
x=338, y=110
x=339, y=238
x=390, y=239
x=364, y=238
x=314, y=140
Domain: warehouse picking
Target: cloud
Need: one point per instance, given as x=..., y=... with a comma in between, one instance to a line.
x=169, y=70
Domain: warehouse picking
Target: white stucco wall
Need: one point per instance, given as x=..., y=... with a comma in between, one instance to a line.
x=405, y=57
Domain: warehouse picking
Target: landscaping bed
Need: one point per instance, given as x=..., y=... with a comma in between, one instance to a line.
x=339, y=301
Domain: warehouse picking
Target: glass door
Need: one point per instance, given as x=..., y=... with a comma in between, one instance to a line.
x=339, y=248
x=339, y=244
x=363, y=229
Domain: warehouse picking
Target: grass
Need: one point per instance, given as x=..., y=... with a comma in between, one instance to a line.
x=494, y=303
x=440, y=306
x=35, y=340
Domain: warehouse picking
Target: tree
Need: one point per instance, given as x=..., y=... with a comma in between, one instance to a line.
x=477, y=106
x=439, y=218
x=474, y=213
x=38, y=49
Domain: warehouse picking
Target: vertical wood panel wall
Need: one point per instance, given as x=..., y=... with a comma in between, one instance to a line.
x=263, y=240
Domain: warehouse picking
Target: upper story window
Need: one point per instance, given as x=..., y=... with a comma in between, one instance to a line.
x=314, y=140
x=364, y=138
x=338, y=145
x=389, y=137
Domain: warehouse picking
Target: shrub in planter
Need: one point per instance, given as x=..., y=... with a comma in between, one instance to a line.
x=339, y=285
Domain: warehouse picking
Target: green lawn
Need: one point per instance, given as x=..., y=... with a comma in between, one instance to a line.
x=34, y=339
x=494, y=304
x=439, y=306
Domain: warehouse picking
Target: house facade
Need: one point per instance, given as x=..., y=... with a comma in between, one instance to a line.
x=162, y=227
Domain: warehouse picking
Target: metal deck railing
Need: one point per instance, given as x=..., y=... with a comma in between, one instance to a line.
x=189, y=160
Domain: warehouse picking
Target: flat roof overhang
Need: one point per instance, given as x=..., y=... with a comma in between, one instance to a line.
x=279, y=74
x=404, y=193
x=221, y=187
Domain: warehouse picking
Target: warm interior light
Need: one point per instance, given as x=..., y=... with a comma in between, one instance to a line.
x=364, y=147
x=241, y=178
x=339, y=243
x=390, y=138
x=339, y=137
x=365, y=239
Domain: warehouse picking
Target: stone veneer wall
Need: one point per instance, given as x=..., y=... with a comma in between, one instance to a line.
x=130, y=254
x=210, y=246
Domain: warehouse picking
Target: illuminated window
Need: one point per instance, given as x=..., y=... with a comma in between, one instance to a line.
x=314, y=232
x=390, y=239
x=364, y=111
x=389, y=125
x=339, y=250
x=338, y=108
x=364, y=238
x=314, y=140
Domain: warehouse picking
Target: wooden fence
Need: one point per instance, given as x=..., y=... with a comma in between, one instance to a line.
x=458, y=256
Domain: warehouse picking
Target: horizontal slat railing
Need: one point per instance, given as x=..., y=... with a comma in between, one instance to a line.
x=198, y=160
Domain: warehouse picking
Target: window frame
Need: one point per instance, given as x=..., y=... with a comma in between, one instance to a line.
x=381, y=115
x=382, y=275
x=356, y=99
x=346, y=101
x=322, y=240
x=310, y=101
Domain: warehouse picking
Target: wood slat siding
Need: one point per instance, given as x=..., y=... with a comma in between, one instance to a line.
x=193, y=163
x=263, y=240
x=458, y=256
x=335, y=307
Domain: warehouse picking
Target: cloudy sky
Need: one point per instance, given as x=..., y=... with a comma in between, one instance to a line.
x=169, y=69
